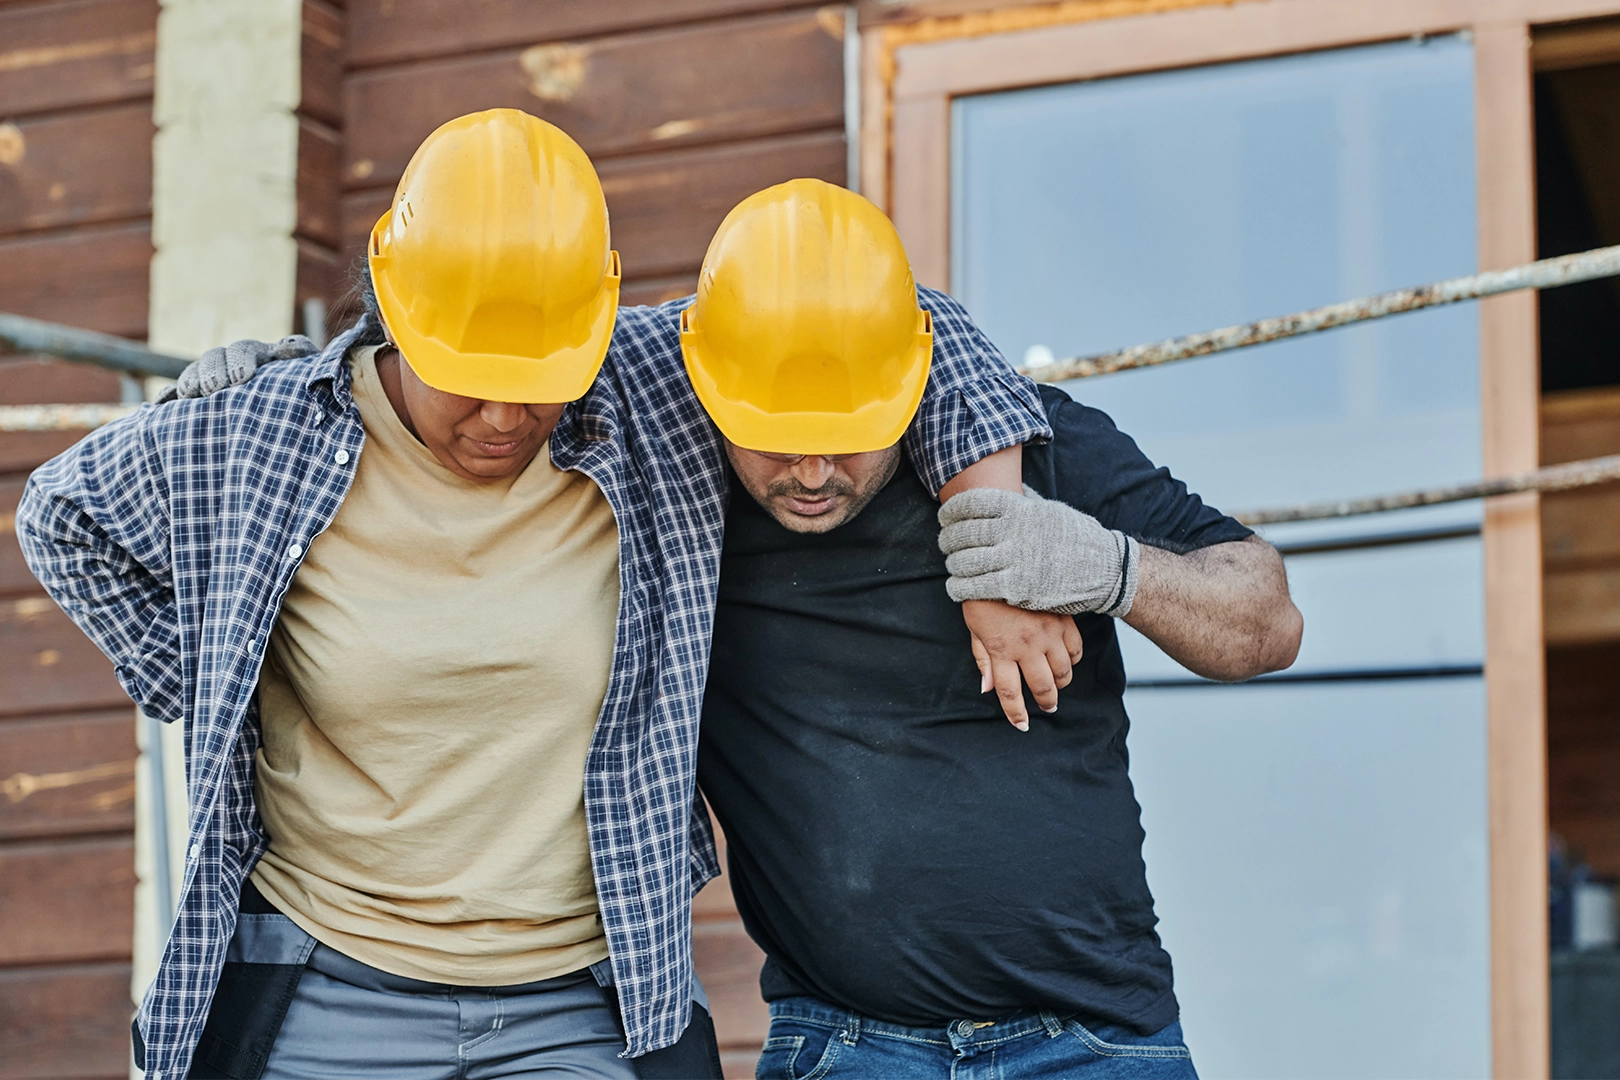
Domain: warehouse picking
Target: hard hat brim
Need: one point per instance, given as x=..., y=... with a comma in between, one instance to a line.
x=876, y=425
x=562, y=376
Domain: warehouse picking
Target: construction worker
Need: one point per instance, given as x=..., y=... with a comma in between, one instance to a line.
x=434, y=606
x=937, y=894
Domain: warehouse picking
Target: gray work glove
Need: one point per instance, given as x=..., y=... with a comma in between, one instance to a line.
x=1036, y=554
x=233, y=365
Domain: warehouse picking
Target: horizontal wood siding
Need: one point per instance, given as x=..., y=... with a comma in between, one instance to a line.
x=75, y=244
x=1580, y=537
x=686, y=107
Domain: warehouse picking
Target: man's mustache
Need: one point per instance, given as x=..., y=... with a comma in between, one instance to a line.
x=836, y=485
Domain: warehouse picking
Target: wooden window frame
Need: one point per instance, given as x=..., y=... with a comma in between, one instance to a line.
x=912, y=72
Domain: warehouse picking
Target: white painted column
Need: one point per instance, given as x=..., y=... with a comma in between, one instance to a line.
x=224, y=206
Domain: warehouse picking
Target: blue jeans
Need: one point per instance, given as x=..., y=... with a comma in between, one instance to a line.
x=810, y=1040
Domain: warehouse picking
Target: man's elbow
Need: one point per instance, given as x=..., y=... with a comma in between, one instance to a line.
x=1279, y=646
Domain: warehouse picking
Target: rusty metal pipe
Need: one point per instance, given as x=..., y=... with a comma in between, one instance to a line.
x=60, y=417
x=87, y=346
x=1574, y=474
x=1546, y=274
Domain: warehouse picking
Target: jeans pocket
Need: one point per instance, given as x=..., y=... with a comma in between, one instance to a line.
x=1165, y=1044
x=806, y=1054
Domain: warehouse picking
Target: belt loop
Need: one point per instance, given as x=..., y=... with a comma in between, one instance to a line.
x=1050, y=1021
x=852, y=1030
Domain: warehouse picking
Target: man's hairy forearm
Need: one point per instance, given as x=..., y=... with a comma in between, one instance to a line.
x=1221, y=611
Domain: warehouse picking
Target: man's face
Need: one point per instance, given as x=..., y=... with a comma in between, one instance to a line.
x=811, y=493
x=476, y=440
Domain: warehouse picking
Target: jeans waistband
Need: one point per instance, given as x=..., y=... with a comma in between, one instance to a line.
x=950, y=1033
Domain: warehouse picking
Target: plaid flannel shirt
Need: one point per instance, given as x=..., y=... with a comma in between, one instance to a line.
x=170, y=538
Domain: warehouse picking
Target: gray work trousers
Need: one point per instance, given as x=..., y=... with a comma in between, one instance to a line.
x=348, y=1019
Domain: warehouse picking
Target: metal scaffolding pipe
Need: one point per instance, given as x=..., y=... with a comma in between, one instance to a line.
x=1546, y=274
x=1572, y=474
x=87, y=346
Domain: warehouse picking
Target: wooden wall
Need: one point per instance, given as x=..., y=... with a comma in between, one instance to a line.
x=686, y=106
x=75, y=226
x=1581, y=546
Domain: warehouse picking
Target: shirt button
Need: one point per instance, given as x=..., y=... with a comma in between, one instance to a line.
x=341, y=457
x=294, y=551
x=196, y=850
x=964, y=1028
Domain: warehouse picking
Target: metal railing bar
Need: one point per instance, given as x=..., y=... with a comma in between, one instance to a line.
x=23, y=334
x=1546, y=274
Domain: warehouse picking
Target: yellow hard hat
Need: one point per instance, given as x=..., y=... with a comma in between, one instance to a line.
x=493, y=268
x=806, y=337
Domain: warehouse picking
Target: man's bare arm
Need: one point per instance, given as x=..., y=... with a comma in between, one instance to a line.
x=1221, y=611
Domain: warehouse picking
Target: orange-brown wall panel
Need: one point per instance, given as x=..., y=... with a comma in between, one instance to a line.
x=734, y=79
x=49, y=665
x=67, y=55
x=77, y=168
x=65, y=1022
x=389, y=31
x=67, y=774
x=67, y=902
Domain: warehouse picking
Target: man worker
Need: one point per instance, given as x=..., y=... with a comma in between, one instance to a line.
x=435, y=609
x=937, y=894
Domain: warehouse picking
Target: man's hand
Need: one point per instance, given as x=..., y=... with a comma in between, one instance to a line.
x=1012, y=647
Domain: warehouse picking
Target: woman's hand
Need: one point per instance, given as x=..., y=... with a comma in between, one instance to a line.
x=1013, y=647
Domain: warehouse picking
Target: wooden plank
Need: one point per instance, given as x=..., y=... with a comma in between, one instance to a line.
x=92, y=278
x=67, y=774
x=389, y=31
x=653, y=291
x=320, y=71
x=1574, y=45
x=1577, y=424
x=77, y=169
x=37, y=380
x=1583, y=751
x=22, y=453
x=320, y=183
x=781, y=73
x=1579, y=528
x=14, y=575
x=920, y=173
x=1515, y=657
x=1583, y=605
x=61, y=1022
x=664, y=207
x=59, y=56
x=67, y=901
x=728, y=965
x=320, y=273
x=50, y=665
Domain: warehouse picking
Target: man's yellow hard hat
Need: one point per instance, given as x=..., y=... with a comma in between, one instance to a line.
x=806, y=337
x=493, y=268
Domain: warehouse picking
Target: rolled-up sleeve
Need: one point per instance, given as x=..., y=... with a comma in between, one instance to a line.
x=93, y=525
x=975, y=403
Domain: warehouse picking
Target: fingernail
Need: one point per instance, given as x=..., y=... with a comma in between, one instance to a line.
x=1021, y=725
x=984, y=684
x=1046, y=710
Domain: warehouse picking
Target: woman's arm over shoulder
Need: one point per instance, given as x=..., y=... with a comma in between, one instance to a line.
x=975, y=403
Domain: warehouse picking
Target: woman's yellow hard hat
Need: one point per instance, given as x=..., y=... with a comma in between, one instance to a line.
x=493, y=268
x=806, y=336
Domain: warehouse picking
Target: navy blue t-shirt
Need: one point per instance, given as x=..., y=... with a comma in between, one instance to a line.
x=895, y=846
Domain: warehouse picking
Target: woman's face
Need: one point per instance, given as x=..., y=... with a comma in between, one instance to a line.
x=476, y=440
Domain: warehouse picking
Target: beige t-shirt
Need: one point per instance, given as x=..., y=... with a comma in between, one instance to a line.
x=428, y=698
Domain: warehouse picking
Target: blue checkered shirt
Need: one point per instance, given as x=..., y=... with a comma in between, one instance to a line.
x=170, y=538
